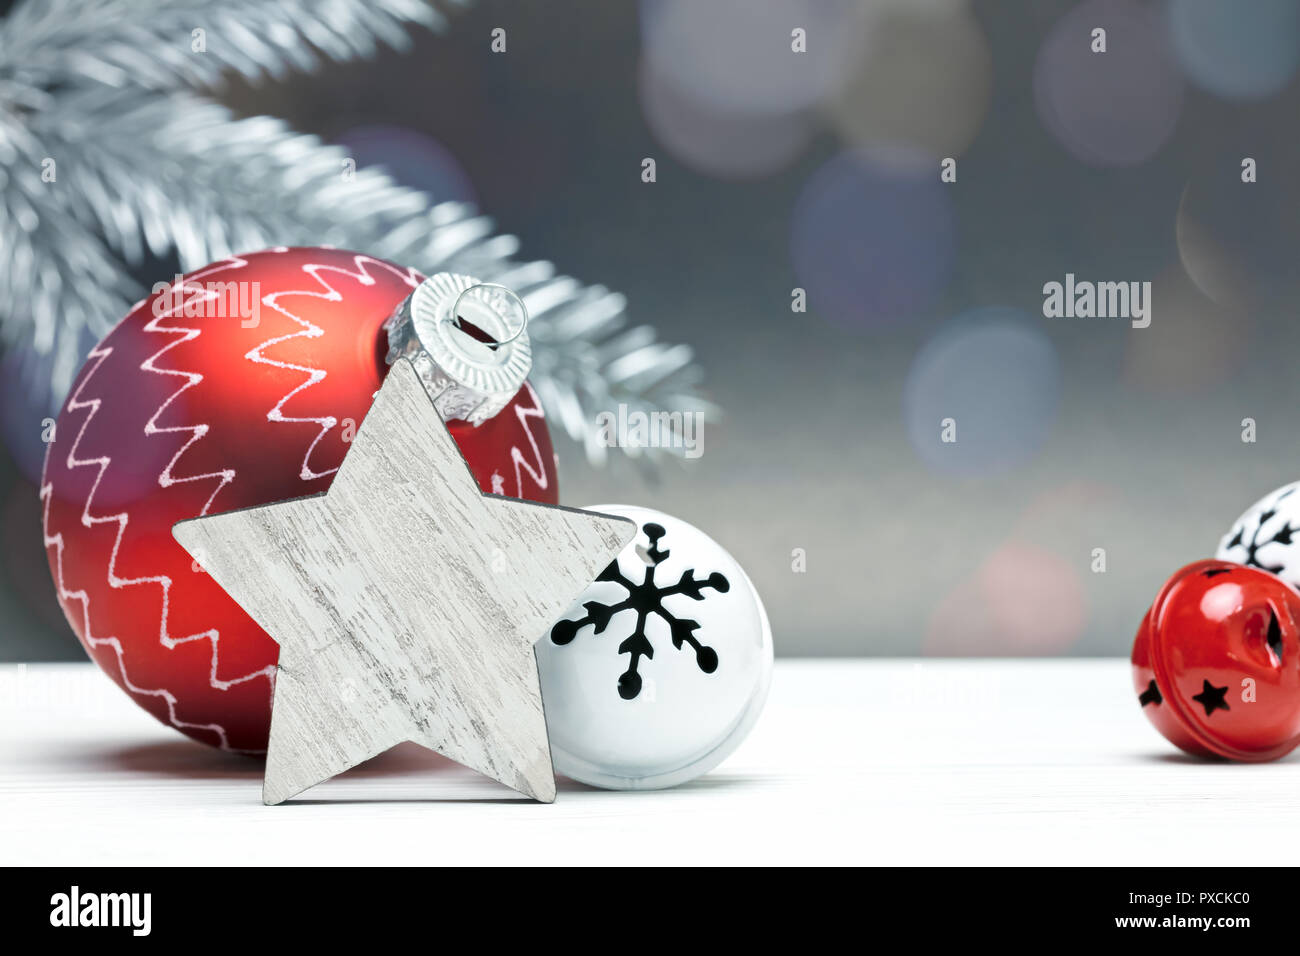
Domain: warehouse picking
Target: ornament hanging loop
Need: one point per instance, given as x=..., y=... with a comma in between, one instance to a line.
x=483, y=291
x=468, y=377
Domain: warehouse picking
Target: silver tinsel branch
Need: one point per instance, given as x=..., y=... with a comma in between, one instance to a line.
x=144, y=163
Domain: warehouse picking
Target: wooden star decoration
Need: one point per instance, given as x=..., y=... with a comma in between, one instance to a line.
x=406, y=603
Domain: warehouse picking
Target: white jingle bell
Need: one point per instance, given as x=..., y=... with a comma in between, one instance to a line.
x=661, y=668
x=1267, y=536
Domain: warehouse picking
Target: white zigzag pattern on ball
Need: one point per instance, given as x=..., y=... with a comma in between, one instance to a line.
x=167, y=478
x=310, y=330
x=98, y=355
x=539, y=474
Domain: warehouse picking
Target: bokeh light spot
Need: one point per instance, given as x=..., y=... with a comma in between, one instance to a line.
x=725, y=145
x=736, y=56
x=872, y=237
x=1192, y=343
x=924, y=78
x=998, y=377
x=1240, y=241
x=411, y=158
x=1114, y=108
x=1022, y=601
x=1237, y=50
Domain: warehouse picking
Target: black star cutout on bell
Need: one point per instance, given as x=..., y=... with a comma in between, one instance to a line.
x=1151, y=695
x=1212, y=698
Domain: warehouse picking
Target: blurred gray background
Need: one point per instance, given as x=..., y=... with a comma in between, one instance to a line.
x=820, y=171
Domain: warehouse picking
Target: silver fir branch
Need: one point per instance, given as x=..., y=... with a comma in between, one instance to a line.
x=144, y=163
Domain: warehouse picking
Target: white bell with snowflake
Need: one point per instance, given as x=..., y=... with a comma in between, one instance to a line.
x=1267, y=536
x=661, y=668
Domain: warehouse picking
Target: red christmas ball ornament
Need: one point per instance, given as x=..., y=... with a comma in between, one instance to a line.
x=1216, y=662
x=239, y=385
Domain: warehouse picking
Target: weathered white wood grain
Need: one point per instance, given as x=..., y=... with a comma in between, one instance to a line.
x=405, y=603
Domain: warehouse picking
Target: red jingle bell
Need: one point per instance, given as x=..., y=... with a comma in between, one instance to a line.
x=1216, y=662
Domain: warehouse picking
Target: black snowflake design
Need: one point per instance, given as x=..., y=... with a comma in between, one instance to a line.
x=646, y=598
x=1251, y=544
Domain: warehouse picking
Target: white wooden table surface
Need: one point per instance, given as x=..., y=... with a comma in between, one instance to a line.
x=887, y=761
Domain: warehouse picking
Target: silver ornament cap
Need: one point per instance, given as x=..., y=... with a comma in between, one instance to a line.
x=467, y=378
